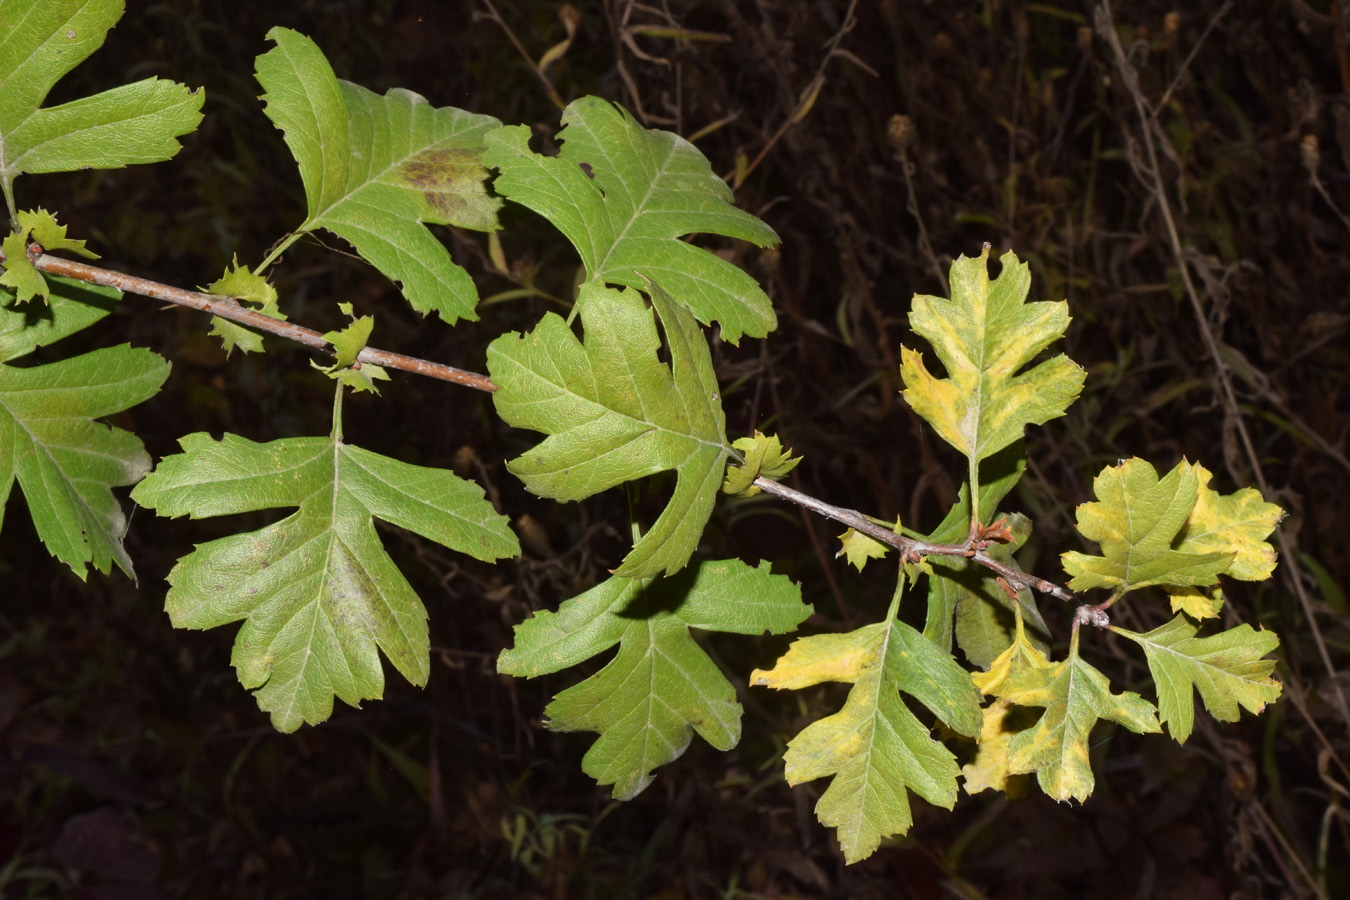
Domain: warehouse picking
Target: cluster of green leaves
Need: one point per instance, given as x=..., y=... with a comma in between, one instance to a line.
x=622, y=389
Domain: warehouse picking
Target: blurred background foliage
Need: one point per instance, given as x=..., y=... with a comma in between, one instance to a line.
x=880, y=139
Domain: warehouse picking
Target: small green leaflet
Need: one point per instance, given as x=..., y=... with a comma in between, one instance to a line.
x=1227, y=669
x=661, y=686
x=1136, y=521
x=1075, y=697
x=42, y=227
x=377, y=170
x=241, y=284
x=764, y=455
x=875, y=748
x=66, y=463
x=134, y=123
x=615, y=413
x=624, y=195
x=983, y=336
x=348, y=344
x=858, y=548
x=316, y=591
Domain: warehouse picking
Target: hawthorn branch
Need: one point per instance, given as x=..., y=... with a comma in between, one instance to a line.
x=974, y=548
x=230, y=308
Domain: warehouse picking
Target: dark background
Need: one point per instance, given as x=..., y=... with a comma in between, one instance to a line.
x=132, y=764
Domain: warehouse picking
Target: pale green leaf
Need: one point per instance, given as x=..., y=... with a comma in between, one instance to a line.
x=318, y=594
x=624, y=196
x=1227, y=669
x=1075, y=697
x=134, y=123
x=1238, y=524
x=858, y=548
x=875, y=748
x=349, y=341
x=378, y=170
x=661, y=687
x=20, y=273
x=66, y=463
x=764, y=455
x=41, y=227
x=51, y=235
x=243, y=285
x=1136, y=520
x=983, y=336
x=614, y=412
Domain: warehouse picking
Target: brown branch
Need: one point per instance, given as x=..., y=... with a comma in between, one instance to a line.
x=229, y=308
x=912, y=550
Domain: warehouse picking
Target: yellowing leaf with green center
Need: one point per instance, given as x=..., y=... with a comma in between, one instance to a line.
x=66, y=463
x=242, y=284
x=318, y=594
x=378, y=170
x=1136, y=520
x=127, y=125
x=984, y=335
x=624, y=196
x=1022, y=655
x=764, y=455
x=661, y=687
x=1227, y=669
x=1075, y=697
x=1001, y=720
x=614, y=412
x=875, y=748
x=1237, y=523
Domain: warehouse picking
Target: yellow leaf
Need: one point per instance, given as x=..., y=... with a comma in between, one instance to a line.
x=989, y=768
x=1237, y=523
x=824, y=657
x=1195, y=602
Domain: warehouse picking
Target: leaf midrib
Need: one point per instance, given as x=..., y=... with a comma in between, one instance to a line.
x=565, y=389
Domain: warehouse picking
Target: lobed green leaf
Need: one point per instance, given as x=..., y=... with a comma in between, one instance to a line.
x=661, y=687
x=66, y=463
x=318, y=595
x=624, y=196
x=377, y=170
x=1228, y=669
x=1075, y=697
x=1136, y=520
x=127, y=125
x=614, y=412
